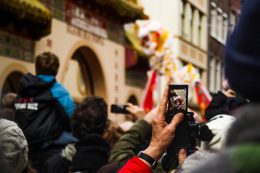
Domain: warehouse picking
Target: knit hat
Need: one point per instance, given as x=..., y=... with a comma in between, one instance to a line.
x=219, y=125
x=13, y=145
x=242, y=59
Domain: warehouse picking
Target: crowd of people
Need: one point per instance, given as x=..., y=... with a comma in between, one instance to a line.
x=42, y=130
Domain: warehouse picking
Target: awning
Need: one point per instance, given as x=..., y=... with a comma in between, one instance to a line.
x=28, y=17
x=126, y=8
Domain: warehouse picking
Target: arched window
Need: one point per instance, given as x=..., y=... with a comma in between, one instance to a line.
x=187, y=22
x=195, y=27
x=11, y=83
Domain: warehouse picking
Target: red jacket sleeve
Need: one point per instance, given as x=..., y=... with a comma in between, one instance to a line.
x=135, y=165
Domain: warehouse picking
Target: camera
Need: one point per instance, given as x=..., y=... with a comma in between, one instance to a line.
x=187, y=132
x=119, y=109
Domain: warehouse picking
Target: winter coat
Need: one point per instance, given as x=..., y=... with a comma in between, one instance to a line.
x=87, y=156
x=38, y=113
x=135, y=165
x=240, y=159
x=130, y=143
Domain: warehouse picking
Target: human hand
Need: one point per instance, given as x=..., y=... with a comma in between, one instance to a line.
x=198, y=118
x=135, y=110
x=162, y=133
x=149, y=116
x=182, y=155
x=230, y=93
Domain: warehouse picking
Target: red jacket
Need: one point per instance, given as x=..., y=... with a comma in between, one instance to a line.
x=135, y=165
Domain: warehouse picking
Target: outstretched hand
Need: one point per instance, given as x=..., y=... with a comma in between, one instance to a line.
x=135, y=110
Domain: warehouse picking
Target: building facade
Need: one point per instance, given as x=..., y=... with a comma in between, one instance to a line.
x=187, y=20
x=218, y=31
x=89, y=40
x=223, y=16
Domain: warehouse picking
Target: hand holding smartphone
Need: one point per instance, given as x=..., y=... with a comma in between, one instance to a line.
x=177, y=103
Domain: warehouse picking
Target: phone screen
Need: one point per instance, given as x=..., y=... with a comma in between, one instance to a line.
x=177, y=100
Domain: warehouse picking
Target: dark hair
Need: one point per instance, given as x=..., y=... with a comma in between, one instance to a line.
x=8, y=100
x=246, y=127
x=47, y=64
x=8, y=114
x=112, y=133
x=89, y=117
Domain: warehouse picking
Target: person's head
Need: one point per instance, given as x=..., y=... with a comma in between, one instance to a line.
x=89, y=117
x=112, y=133
x=8, y=114
x=242, y=53
x=8, y=100
x=246, y=127
x=13, y=145
x=47, y=63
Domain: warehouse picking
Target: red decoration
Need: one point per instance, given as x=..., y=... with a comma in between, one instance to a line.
x=203, y=96
x=148, y=102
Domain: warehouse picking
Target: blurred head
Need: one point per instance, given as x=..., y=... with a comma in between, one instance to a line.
x=90, y=117
x=8, y=114
x=242, y=53
x=112, y=133
x=8, y=100
x=246, y=127
x=47, y=64
x=13, y=145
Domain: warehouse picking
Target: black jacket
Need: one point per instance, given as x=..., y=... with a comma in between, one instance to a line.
x=38, y=114
x=92, y=153
x=221, y=104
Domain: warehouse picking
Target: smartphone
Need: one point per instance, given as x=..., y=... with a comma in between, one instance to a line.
x=177, y=101
x=119, y=109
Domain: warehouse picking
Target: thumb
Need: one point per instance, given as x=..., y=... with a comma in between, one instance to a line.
x=182, y=156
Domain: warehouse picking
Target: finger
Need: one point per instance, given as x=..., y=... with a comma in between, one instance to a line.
x=152, y=112
x=129, y=105
x=182, y=156
x=177, y=119
x=163, y=103
x=130, y=109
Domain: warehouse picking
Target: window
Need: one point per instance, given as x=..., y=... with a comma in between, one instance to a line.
x=232, y=20
x=218, y=76
x=212, y=75
x=203, y=34
x=187, y=22
x=213, y=30
x=181, y=18
x=195, y=27
x=225, y=28
x=219, y=25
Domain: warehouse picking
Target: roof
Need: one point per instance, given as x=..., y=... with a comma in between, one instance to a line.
x=29, y=14
x=126, y=8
